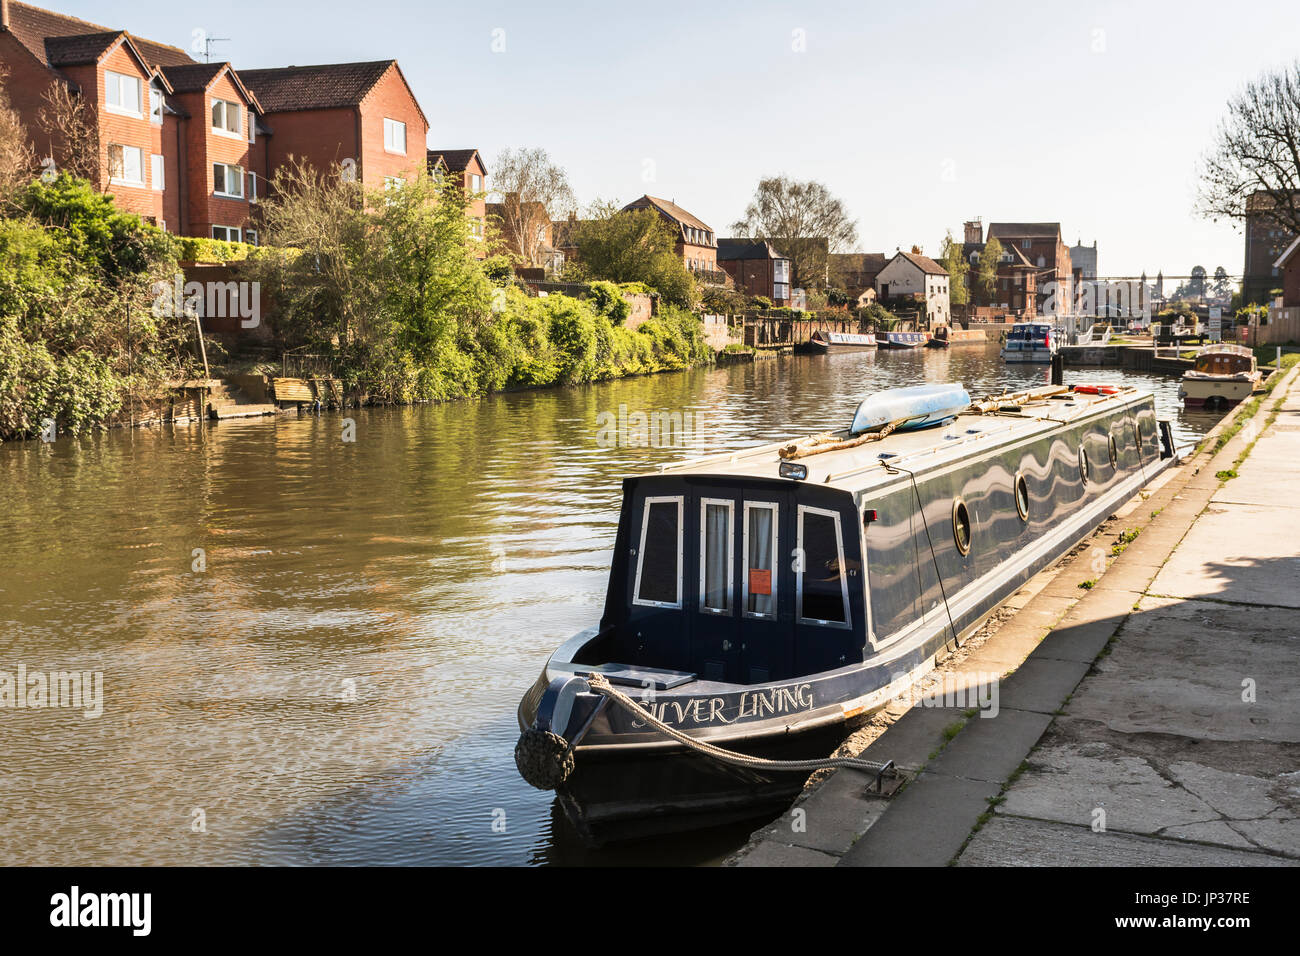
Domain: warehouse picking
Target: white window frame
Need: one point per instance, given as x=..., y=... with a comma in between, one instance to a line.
x=114, y=80
x=122, y=180
x=223, y=129
x=227, y=230
x=679, y=500
x=774, y=558
x=475, y=183
x=156, y=113
x=251, y=185
x=847, y=623
x=390, y=127
x=238, y=177
x=729, y=610
x=250, y=237
x=157, y=171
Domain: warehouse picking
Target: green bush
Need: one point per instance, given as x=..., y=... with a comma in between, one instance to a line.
x=198, y=249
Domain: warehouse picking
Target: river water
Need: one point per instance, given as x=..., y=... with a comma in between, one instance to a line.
x=312, y=648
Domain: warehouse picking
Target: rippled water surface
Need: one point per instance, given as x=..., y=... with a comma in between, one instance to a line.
x=339, y=684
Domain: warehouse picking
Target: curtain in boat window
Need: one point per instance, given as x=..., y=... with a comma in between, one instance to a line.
x=760, y=577
x=823, y=574
x=659, y=576
x=716, y=560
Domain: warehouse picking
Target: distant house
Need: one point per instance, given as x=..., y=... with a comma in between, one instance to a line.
x=532, y=216
x=467, y=166
x=1041, y=246
x=696, y=243
x=855, y=273
x=909, y=275
x=1016, y=283
x=1288, y=274
x=1266, y=240
x=757, y=268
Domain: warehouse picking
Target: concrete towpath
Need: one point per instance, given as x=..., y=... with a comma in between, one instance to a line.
x=1151, y=719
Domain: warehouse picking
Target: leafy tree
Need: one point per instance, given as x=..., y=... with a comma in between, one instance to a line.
x=16, y=160
x=532, y=190
x=986, y=270
x=634, y=246
x=954, y=260
x=803, y=220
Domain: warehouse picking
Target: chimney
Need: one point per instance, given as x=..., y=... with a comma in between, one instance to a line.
x=4, y=15
x=975, y=231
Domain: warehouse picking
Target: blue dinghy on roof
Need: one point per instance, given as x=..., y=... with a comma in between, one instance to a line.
x=918, y=407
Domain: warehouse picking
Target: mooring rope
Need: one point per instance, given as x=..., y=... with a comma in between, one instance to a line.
x=602, y=686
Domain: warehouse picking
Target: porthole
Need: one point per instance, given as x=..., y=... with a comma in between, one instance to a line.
x=1083, y=464
x=1114, y=453
x=961, y=526
x=1022, y=497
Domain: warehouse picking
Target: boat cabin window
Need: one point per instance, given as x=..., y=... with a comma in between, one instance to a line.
x=716, y=555
x=659, y=560
x=822, y=587
x=1022, y=497
x=961, y=526
x=1222, y=363
x=760, y=559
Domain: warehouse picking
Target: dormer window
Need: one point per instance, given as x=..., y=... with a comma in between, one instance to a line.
x=122, y=93
x=155, y=106
x=226, y=118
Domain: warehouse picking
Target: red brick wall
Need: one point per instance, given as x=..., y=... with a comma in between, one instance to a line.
x=203, y=147
x=477, y=207
x=322, y=137
x=1291, y=282
x=114, y=128
x=26, y=83
x=390, y=98
x=753, y=276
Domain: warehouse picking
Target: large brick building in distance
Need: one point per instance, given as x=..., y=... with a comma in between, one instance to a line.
x=757, y=268
x=1266, y=240
x=696, y=242
x=188, y=145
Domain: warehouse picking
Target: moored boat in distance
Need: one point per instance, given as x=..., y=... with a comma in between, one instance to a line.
x=822, y=341
x=760, y=600
x=1221, y=376
x=903, y=340
x=1031, y=342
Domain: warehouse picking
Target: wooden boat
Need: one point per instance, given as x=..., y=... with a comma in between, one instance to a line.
x=939, y=340
x=761, y=600
x=1222, y=376
x=903, y=340
x=1031, y=342
x=841, y=341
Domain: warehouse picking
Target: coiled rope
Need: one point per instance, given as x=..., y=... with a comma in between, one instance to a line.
x=602, y=686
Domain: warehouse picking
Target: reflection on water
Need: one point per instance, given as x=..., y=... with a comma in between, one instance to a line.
x=337, y=684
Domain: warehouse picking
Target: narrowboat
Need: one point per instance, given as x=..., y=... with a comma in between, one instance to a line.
x=841, y=341
x=1221, y=377
x=903, y=340
x=1031, y=342
x=763, y=600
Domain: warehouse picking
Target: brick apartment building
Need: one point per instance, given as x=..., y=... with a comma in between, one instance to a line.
x=1040, y=246
x=188, y=145
x=1266, y=240
x=757, y=268
x=855, y=273
x=467, y=166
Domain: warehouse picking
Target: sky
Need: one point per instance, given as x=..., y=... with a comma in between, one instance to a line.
x=918, y=116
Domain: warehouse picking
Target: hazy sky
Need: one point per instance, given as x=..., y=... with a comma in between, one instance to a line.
x=917, y=115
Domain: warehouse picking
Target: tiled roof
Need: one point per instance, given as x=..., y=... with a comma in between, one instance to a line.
x=78, y=50
x=671, y=209
x=32, y=27
x=456, y=160
x=1025, y=230
x=925, y=264
x=865, y=262
x=326, y=86
x=730, y=250
x=192, y=77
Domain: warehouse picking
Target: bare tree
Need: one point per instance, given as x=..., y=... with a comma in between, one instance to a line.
x=15, y=145
x=533, y=190
x=803, y=221
x=72, y=133
x=1254, y=165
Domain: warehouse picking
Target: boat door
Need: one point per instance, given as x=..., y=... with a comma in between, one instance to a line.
x=738, y=612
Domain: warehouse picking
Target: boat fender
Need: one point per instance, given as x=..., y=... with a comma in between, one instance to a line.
x=543, y=755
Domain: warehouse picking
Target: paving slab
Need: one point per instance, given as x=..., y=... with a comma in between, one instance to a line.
x=911, y=739
x=1013, y=842
x=776, y=854
x=991, y=748
x=1080, y=642
x=1041, y=684
x=925, y=825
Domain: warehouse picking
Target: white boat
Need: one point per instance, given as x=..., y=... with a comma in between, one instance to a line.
x=1031, y=342
x=1223, y=375
x=842, y=341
